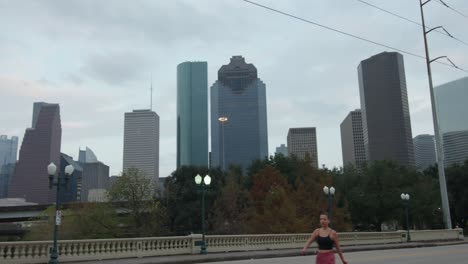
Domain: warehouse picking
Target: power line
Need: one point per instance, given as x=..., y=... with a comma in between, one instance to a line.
x=347, y=34
x=453, y=9
x=412, y=21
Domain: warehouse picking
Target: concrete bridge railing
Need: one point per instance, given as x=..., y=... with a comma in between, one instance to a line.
x=99, y=249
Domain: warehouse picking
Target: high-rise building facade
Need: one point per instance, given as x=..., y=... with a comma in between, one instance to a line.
x=282, y=149
x=95, y=177
x=141, y=143
x=424, y=151
x=385, y=111
x=192, y=114
x=8, y=150
x=73, y=192
x=352, y=139
x=302, y=143
x=455, y=147
x=40, y=147
x=239, y=132
x=452, y=111
x=6, y=171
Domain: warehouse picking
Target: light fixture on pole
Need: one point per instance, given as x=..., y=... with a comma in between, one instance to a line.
x=405, y=199
x=52, y=170
x=223, y=119
x=203, y=183
x=329, y=192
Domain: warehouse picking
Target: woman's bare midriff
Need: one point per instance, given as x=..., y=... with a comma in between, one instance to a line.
x=325, y=250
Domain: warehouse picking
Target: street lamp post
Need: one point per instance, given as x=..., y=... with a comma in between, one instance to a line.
x=52, y=170
x=203, y=185
x=329, y=192
x=405, y=199
x=223, y=119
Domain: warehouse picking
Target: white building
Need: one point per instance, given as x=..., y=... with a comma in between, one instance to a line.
x=141, y=143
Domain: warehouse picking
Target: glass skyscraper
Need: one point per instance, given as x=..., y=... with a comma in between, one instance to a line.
x=192, y=114
x=452, y=111
x=239, y=132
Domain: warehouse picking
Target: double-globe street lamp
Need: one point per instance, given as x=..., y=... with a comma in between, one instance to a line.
x=329, y=192
x=52, y=170
x=405, y=199
x=203, y=184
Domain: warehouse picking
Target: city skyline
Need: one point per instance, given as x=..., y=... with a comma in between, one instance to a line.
x=85, y=73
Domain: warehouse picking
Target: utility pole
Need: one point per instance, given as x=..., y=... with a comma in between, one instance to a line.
x=440, y=154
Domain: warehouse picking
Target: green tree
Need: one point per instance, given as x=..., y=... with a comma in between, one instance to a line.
x=148, y=217
x=232, y=207
x=457, y=180
x=183, y=199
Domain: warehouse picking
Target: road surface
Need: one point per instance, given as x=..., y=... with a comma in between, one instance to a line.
x=427, y=255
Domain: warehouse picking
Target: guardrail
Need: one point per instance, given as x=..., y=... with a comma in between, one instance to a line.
x=99, y=249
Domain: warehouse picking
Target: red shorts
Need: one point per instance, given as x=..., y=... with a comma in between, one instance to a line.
x=325, y=258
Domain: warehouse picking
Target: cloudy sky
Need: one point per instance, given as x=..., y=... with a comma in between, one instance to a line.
x=95, y=59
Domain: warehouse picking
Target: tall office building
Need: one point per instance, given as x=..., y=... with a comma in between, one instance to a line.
x=302, y=143
x=385, y=111
x=452, y=111
x=424, y=151
x=40, y=147
x=141, y=143
x=238, y=116
x=8, y=150
x=352, y=139
x=282, y=149
x=192, y=114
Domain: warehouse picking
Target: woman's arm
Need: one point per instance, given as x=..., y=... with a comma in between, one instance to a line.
x=309, y=241
x=334, y=236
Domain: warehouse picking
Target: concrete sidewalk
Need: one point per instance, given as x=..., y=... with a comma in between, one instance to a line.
x=227, y=256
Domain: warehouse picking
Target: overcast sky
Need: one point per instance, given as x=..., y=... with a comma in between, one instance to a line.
x=95, y=59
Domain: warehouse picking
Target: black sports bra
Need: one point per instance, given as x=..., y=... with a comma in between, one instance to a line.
x=325, y=243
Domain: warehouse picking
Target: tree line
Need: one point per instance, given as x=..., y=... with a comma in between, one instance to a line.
x=276, y=195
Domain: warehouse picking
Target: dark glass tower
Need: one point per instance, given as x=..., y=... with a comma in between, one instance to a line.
x=385, y=112
x=240, y=97
x=192, y=114
x=40, y=147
